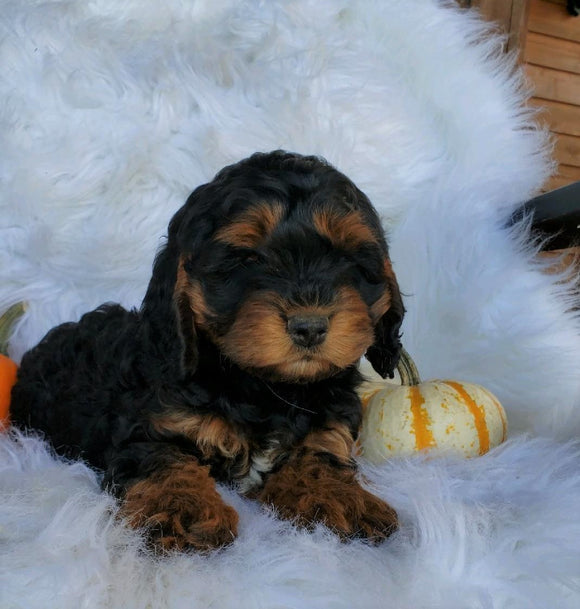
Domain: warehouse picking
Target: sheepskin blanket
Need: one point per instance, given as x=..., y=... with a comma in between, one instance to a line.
x=111, y=112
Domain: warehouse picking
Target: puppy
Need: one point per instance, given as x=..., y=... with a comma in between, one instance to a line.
x=240, y=365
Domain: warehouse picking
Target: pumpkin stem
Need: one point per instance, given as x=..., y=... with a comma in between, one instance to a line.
x=7, y=321
x=407, y=370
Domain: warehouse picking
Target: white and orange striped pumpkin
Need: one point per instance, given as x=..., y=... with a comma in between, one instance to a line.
x=417, y=416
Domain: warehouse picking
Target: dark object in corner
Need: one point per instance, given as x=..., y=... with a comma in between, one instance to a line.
x=556, y=215
x=573, y=7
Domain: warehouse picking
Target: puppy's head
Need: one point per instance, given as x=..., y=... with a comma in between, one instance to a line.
x=281, y=262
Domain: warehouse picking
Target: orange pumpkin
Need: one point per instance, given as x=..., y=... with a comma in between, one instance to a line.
x=7, y=379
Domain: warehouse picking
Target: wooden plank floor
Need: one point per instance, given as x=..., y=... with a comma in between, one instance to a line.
x=552, y=57
x=548, y=39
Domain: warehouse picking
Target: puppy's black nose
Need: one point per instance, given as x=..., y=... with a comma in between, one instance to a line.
x=308, y=330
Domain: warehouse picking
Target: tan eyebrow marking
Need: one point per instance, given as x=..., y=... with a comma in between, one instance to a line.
x=253, y=226
x=344, y=230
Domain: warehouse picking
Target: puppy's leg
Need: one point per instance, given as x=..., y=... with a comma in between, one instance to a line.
x=318, y=484
x=172, y=496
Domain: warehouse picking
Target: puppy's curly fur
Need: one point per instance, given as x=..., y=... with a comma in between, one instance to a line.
x=240, y=365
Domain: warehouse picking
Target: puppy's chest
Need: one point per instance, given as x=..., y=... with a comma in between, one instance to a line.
x=260, y=463
x=250, y=463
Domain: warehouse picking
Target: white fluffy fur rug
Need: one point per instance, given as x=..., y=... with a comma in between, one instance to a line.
x=112, y=112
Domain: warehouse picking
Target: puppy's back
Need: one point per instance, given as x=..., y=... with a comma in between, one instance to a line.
x=71, y=385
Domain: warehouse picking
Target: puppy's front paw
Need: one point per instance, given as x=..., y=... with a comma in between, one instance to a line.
x=332, y=497
x=181, y=514
x=367, y=516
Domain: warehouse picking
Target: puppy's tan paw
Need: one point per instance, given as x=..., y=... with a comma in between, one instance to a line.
x=181, y=509
x=318, y=493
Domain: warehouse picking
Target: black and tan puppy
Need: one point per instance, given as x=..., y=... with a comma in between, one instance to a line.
x=241, y=364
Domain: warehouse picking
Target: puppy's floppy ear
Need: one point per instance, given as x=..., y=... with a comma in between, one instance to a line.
x=167, y=317
x=384, y=353
x=185, y=320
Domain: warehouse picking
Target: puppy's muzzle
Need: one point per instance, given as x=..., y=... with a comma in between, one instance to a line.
x=308, y=330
